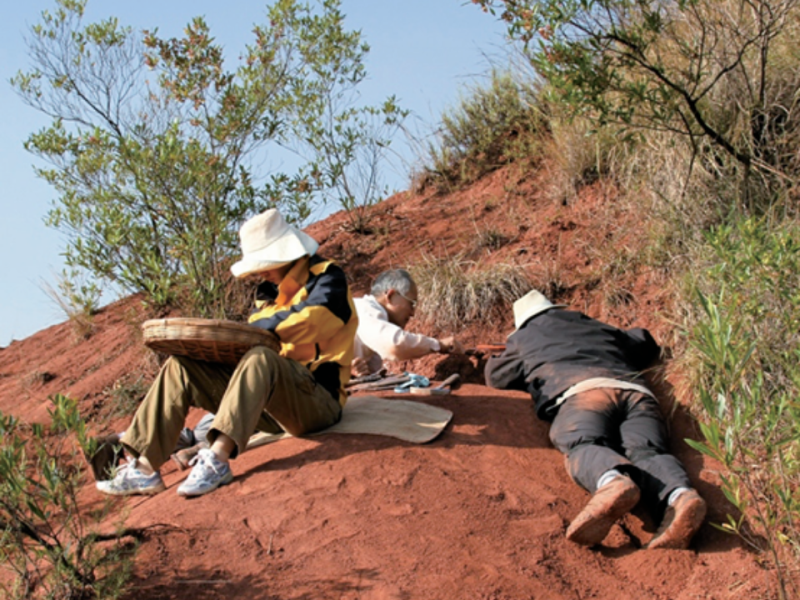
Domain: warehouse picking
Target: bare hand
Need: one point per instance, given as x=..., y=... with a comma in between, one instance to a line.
x=359, y=367
x=450, y=345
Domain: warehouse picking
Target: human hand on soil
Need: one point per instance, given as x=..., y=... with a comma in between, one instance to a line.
x=450, y=345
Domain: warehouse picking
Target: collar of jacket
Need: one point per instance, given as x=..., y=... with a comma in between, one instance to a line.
x=295, y=279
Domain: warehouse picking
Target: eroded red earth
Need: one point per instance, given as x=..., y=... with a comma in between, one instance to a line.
x=480, y=512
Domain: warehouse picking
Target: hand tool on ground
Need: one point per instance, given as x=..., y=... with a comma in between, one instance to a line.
x=386, y=383
x=451, y=383
x=364, y=379
x=414, y=382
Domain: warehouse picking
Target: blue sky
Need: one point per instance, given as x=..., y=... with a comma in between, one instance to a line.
x=423, y=51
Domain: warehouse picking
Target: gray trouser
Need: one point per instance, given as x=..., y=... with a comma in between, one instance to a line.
x=190, y=437
x=265, y=392
x=607, y=428
x=200, y=431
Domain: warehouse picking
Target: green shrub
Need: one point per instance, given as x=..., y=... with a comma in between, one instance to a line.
x=747, y=350
x=51, y=547
x=723, y=78
x=155, y=147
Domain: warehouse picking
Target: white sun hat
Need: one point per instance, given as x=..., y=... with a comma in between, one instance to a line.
x=530, y=305
x=269, y=242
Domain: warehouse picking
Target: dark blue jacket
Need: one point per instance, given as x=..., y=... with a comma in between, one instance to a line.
x=558, y=348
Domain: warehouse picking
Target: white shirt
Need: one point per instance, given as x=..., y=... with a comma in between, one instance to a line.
x=378, y=339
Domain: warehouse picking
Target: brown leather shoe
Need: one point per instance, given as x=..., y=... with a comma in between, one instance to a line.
x=608, y=504
x=106, y=457
x=681, y=522
x=182, y=457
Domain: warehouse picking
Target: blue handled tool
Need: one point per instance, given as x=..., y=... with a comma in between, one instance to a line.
x=415, y=381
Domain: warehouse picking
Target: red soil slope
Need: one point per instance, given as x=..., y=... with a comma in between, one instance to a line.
x=479, y=513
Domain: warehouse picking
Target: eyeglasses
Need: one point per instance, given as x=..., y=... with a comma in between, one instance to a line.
x=413, y=303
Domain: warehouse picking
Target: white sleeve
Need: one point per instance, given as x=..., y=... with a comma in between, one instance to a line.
x=387, y=339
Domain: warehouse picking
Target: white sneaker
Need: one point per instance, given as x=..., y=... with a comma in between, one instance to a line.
x=129, y=480
x=208, y=473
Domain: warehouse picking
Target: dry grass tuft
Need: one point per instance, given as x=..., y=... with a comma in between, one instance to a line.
x=78, y=299
x=126, y=393
x=492, y=125
x=580, y=157
x=457, y=292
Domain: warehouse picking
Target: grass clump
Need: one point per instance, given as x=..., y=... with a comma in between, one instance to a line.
x=580, y=155
x=492, y=125
x=78, y=298
x=459, y=292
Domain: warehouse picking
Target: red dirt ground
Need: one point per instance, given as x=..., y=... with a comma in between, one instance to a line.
x=480, y=512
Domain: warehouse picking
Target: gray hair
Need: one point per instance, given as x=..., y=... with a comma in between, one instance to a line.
x=396, y=279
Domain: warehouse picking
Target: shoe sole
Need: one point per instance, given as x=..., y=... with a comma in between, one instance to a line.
x=143, y=492
x=682, y=529
x=591, y=530
x=193, y=494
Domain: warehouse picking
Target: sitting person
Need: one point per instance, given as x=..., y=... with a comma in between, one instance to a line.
x=585, y=377
x=108, y=453
x=382, y=317
x=305, y=301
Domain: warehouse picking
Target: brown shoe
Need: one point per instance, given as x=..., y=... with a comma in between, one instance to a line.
x=681, y=522
x=106, y=457
x=608, y=504
x=183, y=457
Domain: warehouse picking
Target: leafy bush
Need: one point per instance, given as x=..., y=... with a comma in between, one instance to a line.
x=155, y=147
x=52, y=548
x=720, y=74
x=456, y=292
x=491, y=125
x=747, y=344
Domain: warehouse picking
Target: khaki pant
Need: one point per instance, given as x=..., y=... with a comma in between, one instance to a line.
x=265, y=392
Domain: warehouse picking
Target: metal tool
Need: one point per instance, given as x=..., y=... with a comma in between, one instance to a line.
x=451, y=383
x=414, y=382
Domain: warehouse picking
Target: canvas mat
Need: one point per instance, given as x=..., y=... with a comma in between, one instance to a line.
x=410, y=421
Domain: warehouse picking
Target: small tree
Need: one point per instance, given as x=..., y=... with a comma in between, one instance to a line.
x=154, y=145
x=350, y=148
x=721, y=73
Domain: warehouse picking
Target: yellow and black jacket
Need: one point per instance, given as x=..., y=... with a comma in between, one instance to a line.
x=312, y=313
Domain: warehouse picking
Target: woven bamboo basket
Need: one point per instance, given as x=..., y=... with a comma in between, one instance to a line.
x=206, y=339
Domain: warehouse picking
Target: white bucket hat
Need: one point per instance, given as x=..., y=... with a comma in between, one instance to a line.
x=269, y=242
x=530, y=305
